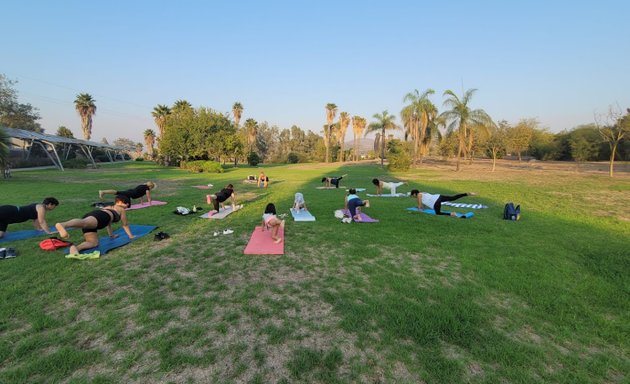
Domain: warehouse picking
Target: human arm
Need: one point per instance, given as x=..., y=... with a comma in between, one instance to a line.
x=40, y=223
x=419, y=201
x=125, y=224
x=149, y=196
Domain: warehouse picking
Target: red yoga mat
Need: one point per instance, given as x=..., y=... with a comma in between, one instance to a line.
x=261, y=243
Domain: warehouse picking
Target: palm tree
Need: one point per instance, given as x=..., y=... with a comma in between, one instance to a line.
x=384, y=121
x=237, y=111
x=460, y=118
x=344, y=121
x=416, y=117
x=84, y=104
x=181, y=105
x=331, y=112
x=160, y=114
x=149, y=141
x=251, y=128
x=358, y=125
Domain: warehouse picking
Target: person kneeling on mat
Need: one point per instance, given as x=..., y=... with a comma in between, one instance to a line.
x=352, y=204
x=330, y=181
x=222, y=196
x=380, y=184
x=91, y=222
x=269, y=219
x=435, y=201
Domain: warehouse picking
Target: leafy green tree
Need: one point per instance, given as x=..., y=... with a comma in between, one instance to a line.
x=384, y=121
x=497, y=142
x=520, y=136
x=64, y=132
x=331, y=112
x=460, y=118
x=582, y=149
x=86, y=108
x=613, y=127
x=14, y=114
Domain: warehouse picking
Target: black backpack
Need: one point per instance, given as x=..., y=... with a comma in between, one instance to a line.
x=510, y=212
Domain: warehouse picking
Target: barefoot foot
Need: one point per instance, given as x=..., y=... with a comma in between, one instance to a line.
x=62, y=231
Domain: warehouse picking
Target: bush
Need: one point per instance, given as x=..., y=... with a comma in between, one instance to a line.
x=400, y=161
x=292, y=158
x=202, y=166
x=76, y=163
x=139, y=158
x=253, y=159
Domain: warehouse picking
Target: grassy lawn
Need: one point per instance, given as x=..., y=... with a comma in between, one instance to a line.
x=414, y=298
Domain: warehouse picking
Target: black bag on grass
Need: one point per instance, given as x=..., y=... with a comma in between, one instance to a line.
x=510, y=212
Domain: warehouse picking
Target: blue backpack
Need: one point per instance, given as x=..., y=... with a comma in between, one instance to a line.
x=510, y=212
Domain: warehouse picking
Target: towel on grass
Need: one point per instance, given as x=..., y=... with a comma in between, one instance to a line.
x=26, y=234
x=222, y=214
x=302, y=215
x=147, y=204
x=364, y=218
x=464, y=205
x=106, y=244
x=401, y=194
x=466, y=215
x=261, y=243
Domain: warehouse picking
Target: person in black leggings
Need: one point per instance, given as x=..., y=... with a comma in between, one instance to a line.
x=222, y=196
x=332, y=181
x=435, y=201
x=11, y=214
x=91, y=222
x=136, y=193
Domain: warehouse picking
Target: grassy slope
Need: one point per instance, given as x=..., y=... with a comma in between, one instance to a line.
x=414, y=297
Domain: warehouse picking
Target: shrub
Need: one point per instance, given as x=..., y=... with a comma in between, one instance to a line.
x=253, y=159
x=400, y=161
x=139, y=158
x=76, y=163
x=202, y=166
x=292, y=158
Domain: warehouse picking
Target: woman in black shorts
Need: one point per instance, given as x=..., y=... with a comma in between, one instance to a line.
x=11, y=214
x=222, y=196
x=95, y=220
x=135, y=193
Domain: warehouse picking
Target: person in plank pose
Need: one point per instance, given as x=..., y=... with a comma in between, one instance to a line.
x=352, y=204
x=380, y=184
x=136, y=193
x=91, y=222
x=11, y=214
x=434, y=201
x=330, y=181
x=221, y=196
x=270, y=220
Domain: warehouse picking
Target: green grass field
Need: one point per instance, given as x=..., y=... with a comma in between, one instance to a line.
x=414, y=298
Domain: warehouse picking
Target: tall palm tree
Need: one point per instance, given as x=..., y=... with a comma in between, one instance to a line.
x=237, y=111
x=160, y=114
x=460, y=118
x=384, y=121
x=344, y=121
x=331, y=112
x=251, y=127
x=416, y=117
x=84, y=104
x=358, y=125
x=149, y=141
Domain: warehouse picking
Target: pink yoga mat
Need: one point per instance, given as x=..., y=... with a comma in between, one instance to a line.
x=364, y=218
x=261, y=243
x=146, y=205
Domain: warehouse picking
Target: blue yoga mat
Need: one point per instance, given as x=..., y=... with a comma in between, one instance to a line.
x=466, y=215
x=27, y=234
x=106, y=244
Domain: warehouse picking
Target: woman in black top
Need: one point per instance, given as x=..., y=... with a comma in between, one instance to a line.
x=136, y=193
x=91, y=222
x=11, y=214
x=221, y=196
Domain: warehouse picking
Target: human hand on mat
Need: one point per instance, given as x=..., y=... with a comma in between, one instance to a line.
x=113, y=236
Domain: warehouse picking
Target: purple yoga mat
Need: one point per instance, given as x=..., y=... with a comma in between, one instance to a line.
x=364, y=218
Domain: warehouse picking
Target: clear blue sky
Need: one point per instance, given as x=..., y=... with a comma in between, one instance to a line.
x=557, y=61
